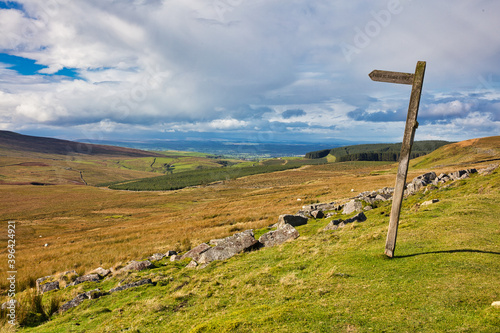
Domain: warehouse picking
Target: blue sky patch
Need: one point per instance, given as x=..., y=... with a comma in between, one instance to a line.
x=25, y=66
x=11, y=5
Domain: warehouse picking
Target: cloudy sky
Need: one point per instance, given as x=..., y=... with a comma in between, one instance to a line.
x=273, y=70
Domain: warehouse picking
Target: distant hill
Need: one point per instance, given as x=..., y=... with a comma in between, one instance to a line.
x=26, y=143
x=376, y=152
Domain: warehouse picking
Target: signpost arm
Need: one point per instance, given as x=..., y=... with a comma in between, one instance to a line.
x=411, y=126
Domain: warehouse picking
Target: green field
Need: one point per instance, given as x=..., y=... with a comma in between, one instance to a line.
x=204, y=176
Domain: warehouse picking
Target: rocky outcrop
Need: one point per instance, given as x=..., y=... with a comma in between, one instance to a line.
x=196, y=252
x=317, y=214
x=336, y=224
x=93, y=294
x=86, y=278
x=277, y=237
x=352, y=206
x=293, y=220
x=137, y=266
x=157, y=257
x=229, y=247
x=49, y=286
x=132, y=285
x=101, y=271
x=429, y=202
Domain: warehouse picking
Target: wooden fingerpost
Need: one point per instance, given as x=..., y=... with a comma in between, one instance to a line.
x=416, y=80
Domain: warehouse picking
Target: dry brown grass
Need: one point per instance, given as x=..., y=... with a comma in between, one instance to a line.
x=86, y=227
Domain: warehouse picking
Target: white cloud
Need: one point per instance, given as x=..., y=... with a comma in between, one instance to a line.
x=200, y=65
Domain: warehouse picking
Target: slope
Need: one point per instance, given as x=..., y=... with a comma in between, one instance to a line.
x=444, y=277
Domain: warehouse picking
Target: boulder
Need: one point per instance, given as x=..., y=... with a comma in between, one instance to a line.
x=277, y=237
x=196, y=252
x=293, y=220
x=48, y=286
x=137, y=266
x=192, y=264
x=229, y=247
x=429, y=202
x=361, y=217
x=92, y=294
x=175, y=257
x=352, y=206
x=86, y=278
x=157, y=257
x=170, y=253
x=132, y=285
x=101, y=271
x=317, y=214
x=333, y=225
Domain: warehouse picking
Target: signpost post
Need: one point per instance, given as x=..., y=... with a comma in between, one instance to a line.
x=416, y=80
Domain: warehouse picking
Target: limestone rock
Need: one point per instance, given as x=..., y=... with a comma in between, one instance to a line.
x=496, y=304
x=352, y=206
x=192, y=264
x=317, y=214
x=196, y=252
x=293, y=220
x=229, y=247
x=92, y=294
x=101, y=271
x=137, y=266
x=49, y=286
x=132, y=285
x=361, y=217
x=86, y=278
x=170, y=253
x=429, y=202
x=157, y=257
x=333, y=225
x=277, y=237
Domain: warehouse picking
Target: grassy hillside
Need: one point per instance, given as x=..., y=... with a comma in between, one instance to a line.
x=443, y=279
x=376, y=152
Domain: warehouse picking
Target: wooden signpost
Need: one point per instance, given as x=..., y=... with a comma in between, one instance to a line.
x=416, y=80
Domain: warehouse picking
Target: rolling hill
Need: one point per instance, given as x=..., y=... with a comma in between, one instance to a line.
x=25, y=143
x=376, y=152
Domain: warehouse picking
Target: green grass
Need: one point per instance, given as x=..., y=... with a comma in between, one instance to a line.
x=444, y=278
x=209, y=175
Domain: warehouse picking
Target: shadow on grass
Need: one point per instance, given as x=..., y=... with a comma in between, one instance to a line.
x=448, y=251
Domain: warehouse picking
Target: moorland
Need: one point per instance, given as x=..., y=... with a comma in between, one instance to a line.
x=444, y=277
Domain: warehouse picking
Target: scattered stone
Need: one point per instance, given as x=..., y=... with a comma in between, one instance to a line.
x=92, y=294
x=361, y=217
x=429, y=202
x=132, y=285
x=192, y=264
x=333, y=225
x=196, y=252
x=336, y=224
x=49, y=286
x=229, y=247
x=101, y=271
x=86, y=278
x=488, y=170
x=367, y=208
x=170, y=253
x=277, y=237
x=157, y=257
x=137, y=266
x=496, y=304
x=175, y=257
x=352, y=206
x=317, y=214
x=293, y=220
